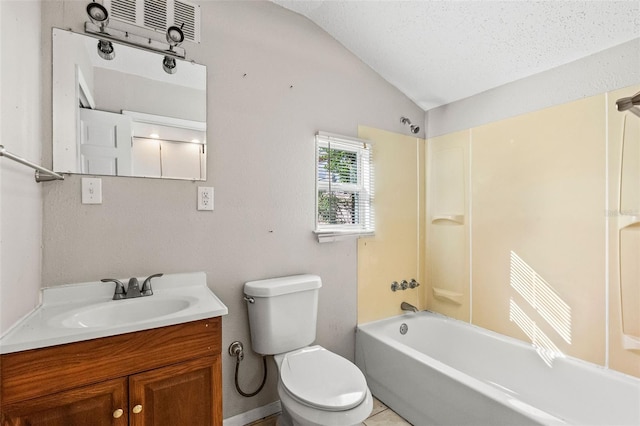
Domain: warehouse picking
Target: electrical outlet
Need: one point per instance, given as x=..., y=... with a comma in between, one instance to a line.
x=205, y=198
x=91, y=191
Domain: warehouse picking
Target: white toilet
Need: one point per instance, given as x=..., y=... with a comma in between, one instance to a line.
x=316, y=386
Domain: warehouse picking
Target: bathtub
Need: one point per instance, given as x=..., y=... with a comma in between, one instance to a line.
x=448, y=372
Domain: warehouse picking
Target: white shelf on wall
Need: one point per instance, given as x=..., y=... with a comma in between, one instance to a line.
x=448, y=219
x=630, y=342
x=625, y=221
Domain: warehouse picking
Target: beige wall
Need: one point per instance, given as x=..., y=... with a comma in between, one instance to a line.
x=538, y=236
x=395, y=253
x=298, y=81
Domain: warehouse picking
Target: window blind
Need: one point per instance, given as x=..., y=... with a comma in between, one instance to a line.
x=344, y=187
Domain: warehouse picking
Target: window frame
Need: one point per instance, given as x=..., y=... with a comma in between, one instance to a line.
x=364, y=224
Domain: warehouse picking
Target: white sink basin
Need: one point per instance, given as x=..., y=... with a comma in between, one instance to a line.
x=118, y=312
x=76, y=312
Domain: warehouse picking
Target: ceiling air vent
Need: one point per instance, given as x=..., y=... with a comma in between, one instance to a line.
x=158, y=15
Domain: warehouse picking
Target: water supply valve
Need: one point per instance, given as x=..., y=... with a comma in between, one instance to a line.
x=236, y=349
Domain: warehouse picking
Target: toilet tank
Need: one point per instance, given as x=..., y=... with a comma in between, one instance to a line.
x=282, y=312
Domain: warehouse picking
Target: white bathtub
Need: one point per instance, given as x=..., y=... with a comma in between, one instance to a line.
x=448, y=372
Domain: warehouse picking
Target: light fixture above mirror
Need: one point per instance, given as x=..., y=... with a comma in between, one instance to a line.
x=98, y=25
x=98, y=15
x=175, y=37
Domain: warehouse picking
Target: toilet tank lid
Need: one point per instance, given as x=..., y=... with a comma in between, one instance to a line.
x=282, y=285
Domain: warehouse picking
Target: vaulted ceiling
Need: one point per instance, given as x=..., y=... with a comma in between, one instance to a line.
x=437, y=52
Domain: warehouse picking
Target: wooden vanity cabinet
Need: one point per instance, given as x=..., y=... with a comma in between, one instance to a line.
x=87, y=405
x=174, y=395
x=169, y=376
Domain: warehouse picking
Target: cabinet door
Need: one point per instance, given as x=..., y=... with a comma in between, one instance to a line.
x=188, y=393
x=102, y=404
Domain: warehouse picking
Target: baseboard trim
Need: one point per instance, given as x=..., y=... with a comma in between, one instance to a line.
x=250, y=416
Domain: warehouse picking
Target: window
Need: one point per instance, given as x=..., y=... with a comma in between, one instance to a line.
x=344, y=187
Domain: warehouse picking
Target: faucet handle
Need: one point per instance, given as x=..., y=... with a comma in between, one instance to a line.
x=413, y=283
x=119, y=292
x=146, y=285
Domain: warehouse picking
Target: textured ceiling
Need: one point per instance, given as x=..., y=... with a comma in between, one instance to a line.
x=437, y=52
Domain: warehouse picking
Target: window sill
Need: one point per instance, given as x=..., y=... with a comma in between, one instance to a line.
x=333, y=236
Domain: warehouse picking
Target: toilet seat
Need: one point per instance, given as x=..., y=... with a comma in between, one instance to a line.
x=319, y=378
x=296, y=413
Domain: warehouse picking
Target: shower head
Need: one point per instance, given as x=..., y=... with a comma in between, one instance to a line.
x=412, y=127
x=625, y=104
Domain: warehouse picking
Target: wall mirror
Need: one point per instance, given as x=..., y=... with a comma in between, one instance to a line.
x=127, y=115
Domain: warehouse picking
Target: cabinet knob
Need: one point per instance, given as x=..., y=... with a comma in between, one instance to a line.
x=137, y=409
x=118, y=413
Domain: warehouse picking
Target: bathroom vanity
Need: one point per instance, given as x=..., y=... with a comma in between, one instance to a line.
x=165, y=375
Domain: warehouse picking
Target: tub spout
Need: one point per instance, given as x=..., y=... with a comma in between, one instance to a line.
x=408, y=307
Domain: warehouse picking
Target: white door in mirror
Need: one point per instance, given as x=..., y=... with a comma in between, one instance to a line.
x=205, y=198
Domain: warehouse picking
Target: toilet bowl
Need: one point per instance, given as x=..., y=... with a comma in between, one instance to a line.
x=316, y=386
x=320, y=388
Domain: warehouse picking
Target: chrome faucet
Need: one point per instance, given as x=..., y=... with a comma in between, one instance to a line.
x=133, y=287
x=408, y=307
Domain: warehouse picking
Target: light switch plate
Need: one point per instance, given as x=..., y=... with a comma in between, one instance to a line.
x=91, y=191
x=205, y=198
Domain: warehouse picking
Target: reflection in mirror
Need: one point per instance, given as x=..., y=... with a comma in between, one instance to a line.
x=126, y=116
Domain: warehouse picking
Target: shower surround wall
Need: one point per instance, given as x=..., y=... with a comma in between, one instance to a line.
x=543, y=268
x=274, y=80
x=395, y=253
x=541, y=189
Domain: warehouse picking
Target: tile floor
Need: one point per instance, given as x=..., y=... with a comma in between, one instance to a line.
x=381, y=415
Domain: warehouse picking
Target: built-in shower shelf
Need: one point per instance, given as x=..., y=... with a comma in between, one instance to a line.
x=626, y=221
x=448, y=219
x=448, y=295
x=630, y=342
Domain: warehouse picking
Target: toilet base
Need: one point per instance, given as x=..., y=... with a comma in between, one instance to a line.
x=284, y=419
x=296, y=414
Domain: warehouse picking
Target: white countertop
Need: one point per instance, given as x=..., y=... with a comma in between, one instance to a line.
x=47, y=325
